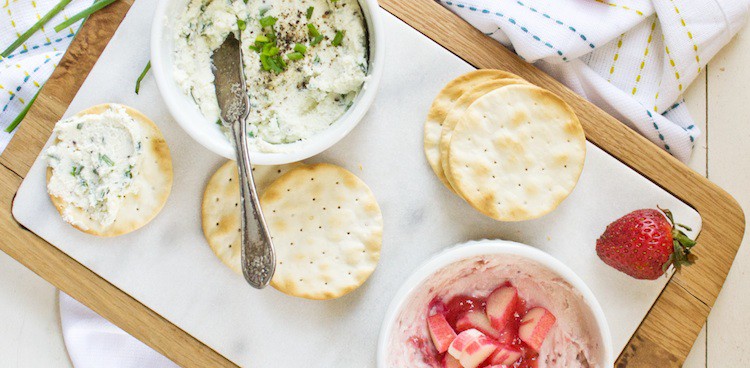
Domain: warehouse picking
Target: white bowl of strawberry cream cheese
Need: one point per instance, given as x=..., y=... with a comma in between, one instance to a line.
x=494, y=303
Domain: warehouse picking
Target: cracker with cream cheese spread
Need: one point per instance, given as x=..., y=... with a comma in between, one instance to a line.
x=151, y=175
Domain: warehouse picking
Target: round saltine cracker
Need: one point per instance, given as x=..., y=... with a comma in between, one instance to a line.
x=327, y=230
x=517, y=153
x=220, y=210
x=440, y=107
x=457, y=111
x=154, y=182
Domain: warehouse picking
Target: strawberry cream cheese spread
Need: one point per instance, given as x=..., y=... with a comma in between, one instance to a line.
x=496, y=311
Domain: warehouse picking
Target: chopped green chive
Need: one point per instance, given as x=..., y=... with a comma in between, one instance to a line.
x=129, y=172
x=79, y=126
x=316, y=40
x=106, y=160
x=309, y=13
x=261, y=39
x=300, y=48
x=312, y=30
x=338, y=38
x=268, y=21
x=218, y=122
x=140, y=77
x=39, y=24
x=262, y=11
x=275, y=65
x=76, y=170
x=98, y=5
x=270, y=50
x=264, y=62
x=294, y=56
x=241, y=24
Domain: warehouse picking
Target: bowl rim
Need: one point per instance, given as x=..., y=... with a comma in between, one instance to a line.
x=476, y=248
x=307, y=148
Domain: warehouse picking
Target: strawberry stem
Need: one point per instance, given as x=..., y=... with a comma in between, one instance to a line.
x=681, y=256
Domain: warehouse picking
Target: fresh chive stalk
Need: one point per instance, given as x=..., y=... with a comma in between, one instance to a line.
x=140, y=77
x=14, y=124
x=99, y=5
x=309, y=13
x=35, y=27
x=300, y=48
x=241, y=24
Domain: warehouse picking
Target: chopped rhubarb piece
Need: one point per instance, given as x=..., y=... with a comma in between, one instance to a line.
x=477, y=320
x=501, y=306
x=450, y=362
x=505, y=355
x=471, y=348
x=477, y=352
x=534, y=327
x=462, y=341
x=441, y=332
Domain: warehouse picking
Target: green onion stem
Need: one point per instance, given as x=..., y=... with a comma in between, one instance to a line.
x=38, y=25
x=98, y=5
x=140, y=77
x=22, y=115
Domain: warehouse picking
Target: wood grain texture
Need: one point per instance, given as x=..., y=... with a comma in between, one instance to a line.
x=664, y=337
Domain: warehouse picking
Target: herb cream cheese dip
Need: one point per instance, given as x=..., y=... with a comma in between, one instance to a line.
x=305, y=61
x=94, y=161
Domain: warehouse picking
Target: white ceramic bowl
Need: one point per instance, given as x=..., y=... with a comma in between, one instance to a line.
x=490, y=248
x=208, y=134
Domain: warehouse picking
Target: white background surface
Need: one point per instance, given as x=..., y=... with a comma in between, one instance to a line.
x=28, y=303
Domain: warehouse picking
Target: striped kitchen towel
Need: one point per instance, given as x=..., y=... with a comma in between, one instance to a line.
x=25, y=70
x=632, y=58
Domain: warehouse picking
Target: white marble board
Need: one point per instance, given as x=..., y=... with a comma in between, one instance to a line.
x=169, y=267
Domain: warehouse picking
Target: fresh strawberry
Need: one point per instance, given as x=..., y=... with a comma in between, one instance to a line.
x=645, y=243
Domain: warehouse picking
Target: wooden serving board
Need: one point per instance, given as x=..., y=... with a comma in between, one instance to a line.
x=663, y=339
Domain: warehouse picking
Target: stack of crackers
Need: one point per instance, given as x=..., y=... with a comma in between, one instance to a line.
x=510, y=149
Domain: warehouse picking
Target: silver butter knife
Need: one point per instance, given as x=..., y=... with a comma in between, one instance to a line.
x=258, y=257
